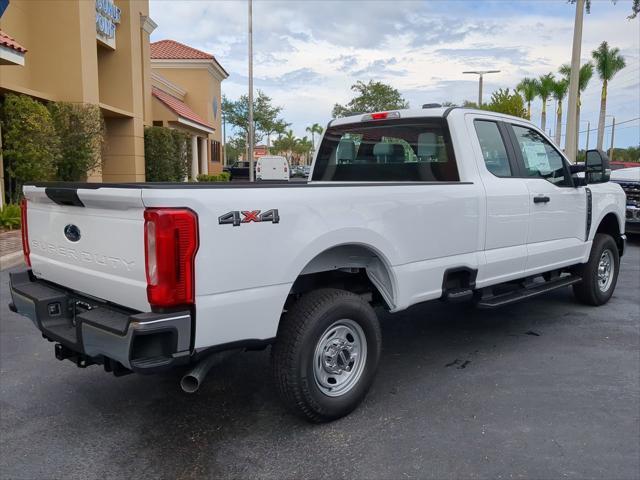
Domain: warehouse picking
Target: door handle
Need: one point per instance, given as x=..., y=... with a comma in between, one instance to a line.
x=541, y=199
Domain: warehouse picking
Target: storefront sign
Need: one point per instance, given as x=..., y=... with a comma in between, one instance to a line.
x=107, y=17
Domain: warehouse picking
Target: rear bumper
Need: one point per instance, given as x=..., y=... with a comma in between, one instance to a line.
x=88, y=331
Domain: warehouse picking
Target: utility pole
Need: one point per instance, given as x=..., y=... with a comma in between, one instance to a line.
x=571, y=139
x=588, y=130
x=224, y=139
x=481, y=74
x=250, y=126
x=613, y=131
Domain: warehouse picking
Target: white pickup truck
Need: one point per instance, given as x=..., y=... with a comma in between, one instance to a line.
x=401, y=207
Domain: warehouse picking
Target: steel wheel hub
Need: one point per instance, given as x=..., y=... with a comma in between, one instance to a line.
x=339, y=358
x=605, y=270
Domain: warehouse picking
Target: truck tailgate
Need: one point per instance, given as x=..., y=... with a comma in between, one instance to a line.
x=89, y=240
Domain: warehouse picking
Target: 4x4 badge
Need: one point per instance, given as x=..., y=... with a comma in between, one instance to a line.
x=238, y=217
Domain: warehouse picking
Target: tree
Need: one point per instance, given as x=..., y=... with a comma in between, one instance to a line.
x=81, y=131
x=265, y=116
x=371, y=97
x=287, y=144
x=528, y=87
x=313, y=129
x=571, y=142
x=31, y=147
x=608, y=62
x=544, y=86
x=167, y=154
x=504, y=101
x=560, y=88
x=236, y=147
x=584, y=76
x=303, y=148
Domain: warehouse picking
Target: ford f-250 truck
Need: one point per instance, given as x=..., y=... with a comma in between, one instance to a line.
x=402, y=207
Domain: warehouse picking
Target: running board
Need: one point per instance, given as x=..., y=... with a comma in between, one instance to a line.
x=527, y=292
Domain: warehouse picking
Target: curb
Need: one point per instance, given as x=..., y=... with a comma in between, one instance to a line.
x=10, y=260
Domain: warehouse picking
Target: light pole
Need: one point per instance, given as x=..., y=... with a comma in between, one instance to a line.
x=250, y=126
x=481, y=74
x=571, y=140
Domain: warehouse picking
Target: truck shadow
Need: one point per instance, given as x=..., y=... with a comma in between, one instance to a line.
x=219, y=427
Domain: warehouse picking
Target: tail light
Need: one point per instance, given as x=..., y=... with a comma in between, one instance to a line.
x=171, y=242
x=25, y=232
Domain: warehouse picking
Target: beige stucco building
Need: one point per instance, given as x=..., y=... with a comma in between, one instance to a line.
x=99, y=52
x=187, y=95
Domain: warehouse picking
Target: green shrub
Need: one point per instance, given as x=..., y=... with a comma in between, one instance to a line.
x=81, y=131
x=221, y=177
x=31, y=146
x=10, y=216
x=167, y=154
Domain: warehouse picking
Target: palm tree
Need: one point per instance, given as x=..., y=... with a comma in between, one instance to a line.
x=529, y=90
x=544, y=86
x=608, y=62
x=313, y=129
x=584, y=76
x=560, y=88
x=288, y=143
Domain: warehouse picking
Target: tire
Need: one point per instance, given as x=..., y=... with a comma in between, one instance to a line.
x=324, y=331
x=593, y=289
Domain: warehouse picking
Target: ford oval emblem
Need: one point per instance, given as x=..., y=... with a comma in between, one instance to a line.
x=72, y=233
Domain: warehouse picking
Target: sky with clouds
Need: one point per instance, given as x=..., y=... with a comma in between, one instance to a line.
x=308, y=53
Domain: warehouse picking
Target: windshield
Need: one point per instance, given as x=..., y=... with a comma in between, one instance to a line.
x=411, y=150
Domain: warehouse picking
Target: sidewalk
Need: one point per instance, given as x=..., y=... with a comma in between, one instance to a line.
x=10, y=249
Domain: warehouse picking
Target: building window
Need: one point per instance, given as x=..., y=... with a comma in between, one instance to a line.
x=216, y=151
x=158, y=123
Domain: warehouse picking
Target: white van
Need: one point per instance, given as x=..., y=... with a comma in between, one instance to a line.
x=272, y=167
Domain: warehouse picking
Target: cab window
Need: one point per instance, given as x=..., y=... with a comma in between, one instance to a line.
x=493, y=150
x=396, y=150
x=540, y=158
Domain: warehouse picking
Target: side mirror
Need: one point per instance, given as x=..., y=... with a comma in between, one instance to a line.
x=597, y=167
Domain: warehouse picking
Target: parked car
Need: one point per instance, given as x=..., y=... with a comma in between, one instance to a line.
x=238, y=171
x=629, y=180
x=272, y=167
x=619, y=165
x=402, y=207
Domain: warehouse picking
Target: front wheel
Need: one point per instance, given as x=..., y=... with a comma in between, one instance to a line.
x=600, y=273
x=326, y=354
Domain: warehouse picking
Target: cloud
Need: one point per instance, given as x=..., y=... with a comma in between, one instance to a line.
x=379, y=68
x=307, y=54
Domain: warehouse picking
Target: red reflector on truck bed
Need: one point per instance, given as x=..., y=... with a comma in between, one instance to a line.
x=25, y=232
x=171, y=242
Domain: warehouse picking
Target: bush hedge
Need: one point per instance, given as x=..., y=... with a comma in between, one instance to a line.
x=31, y=146
x=221, y=177
x=167, y=154
x=10, y=217
x=81, y=131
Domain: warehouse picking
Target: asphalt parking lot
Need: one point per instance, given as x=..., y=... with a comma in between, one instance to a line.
x=542, y=389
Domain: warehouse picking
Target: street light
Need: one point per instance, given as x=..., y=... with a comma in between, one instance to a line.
x=250, y=133
x=481, y=74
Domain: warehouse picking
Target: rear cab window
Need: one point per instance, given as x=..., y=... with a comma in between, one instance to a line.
x=414, y=150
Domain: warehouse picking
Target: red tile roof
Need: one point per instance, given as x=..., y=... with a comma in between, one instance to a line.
x=179, y=107
x=172, y=50
x=7, y=41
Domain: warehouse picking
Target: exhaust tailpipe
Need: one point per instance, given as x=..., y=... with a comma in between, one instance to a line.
x=191, y=382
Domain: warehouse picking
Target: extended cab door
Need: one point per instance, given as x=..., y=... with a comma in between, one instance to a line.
x=507, y=200
x=557, y=223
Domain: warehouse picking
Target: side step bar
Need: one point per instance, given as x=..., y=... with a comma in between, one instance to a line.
x=527, y=292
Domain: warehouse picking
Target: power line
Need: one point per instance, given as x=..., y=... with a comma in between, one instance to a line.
x=608, y=126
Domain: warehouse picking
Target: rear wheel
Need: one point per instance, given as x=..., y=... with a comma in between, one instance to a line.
x=600, y=273
x=326, y=354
